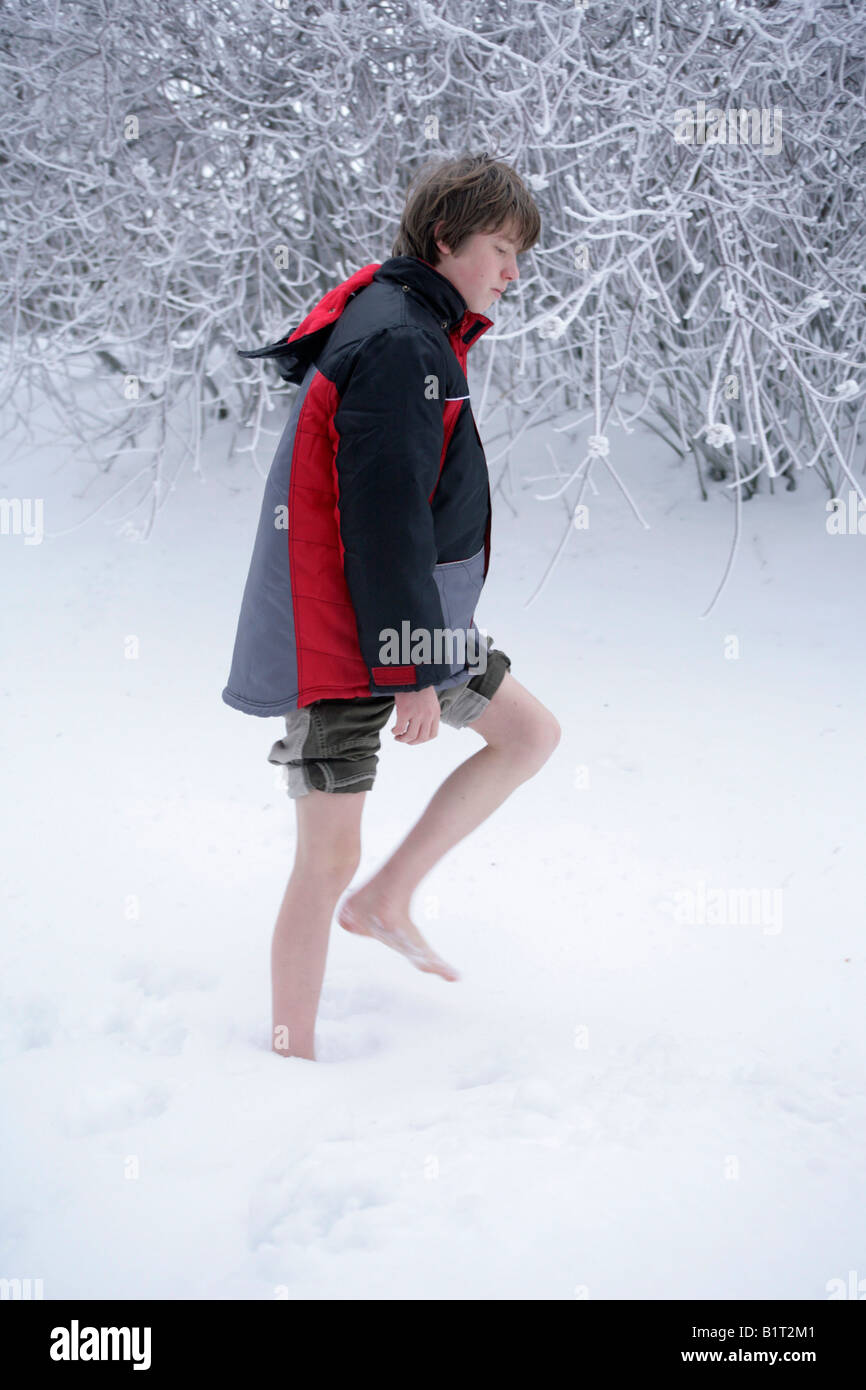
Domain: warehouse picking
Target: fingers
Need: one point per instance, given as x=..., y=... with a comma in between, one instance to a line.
x=416, y=730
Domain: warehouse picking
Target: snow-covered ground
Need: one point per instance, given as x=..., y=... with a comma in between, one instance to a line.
x=613, y=1102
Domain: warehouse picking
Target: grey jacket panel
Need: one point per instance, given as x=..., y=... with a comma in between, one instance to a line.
x=262, y=665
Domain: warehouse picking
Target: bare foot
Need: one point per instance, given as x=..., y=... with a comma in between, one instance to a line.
x=363, y=916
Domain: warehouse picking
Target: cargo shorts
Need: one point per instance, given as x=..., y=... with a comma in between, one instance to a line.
x=333, y=745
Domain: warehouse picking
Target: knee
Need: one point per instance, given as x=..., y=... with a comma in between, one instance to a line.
x=334, y=864
x=538, y=740
x=547, y=737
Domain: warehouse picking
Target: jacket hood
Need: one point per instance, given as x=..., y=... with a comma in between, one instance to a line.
x=293, y=354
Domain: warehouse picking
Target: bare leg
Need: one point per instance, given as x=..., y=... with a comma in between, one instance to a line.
x=521, y=734
x=327, y=856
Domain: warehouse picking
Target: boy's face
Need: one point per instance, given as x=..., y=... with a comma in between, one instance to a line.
x=485, y=263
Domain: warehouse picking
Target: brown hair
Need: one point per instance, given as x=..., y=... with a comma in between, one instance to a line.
x=475, y=193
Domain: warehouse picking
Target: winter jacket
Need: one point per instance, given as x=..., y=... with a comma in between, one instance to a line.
x=376, y=510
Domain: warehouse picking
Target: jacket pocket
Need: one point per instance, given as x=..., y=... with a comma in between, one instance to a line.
x=460, y=583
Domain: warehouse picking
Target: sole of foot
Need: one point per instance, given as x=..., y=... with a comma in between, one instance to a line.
x=368, y=924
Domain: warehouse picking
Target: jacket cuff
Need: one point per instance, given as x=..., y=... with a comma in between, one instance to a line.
x=395, y=675
x=391, y=680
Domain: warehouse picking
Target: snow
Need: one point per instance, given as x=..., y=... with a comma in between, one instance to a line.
x=611, y=1103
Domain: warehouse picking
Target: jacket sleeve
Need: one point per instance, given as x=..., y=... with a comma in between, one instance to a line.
x=389, y=431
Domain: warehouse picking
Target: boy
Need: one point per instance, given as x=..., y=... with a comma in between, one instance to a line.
x=381, y=478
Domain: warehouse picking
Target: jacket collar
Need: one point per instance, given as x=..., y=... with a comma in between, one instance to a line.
x=438, y=293
x=294, y=353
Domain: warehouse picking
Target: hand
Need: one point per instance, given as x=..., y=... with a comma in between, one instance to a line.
x=417, y=715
